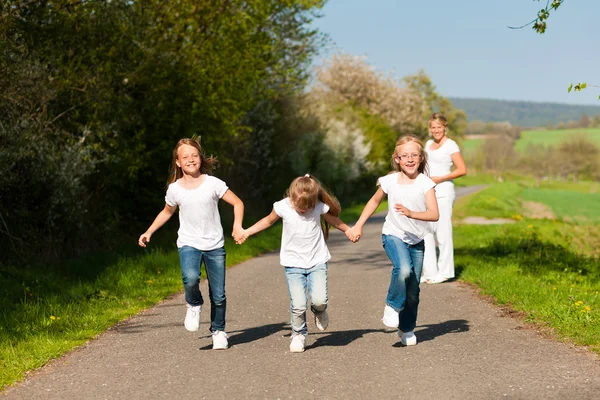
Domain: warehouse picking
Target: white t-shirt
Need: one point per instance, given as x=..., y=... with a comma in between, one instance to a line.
x=199, y=220
x=302, y=241
x=440, y=164
x=412, y=196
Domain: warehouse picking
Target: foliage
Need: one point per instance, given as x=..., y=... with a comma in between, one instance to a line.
x=99, y=92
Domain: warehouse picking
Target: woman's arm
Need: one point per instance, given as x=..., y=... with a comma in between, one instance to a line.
x=159, y=221
x=432, y=213
x=460, y=170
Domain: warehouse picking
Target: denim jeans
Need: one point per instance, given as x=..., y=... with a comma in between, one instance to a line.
x=403, y=293
x=298, y=280
x=214, y=265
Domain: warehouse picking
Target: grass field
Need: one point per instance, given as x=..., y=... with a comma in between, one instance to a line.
x=539, y=137
x=548, y=269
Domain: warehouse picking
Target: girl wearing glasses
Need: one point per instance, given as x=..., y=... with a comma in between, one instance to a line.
x=411, y=204
x=442, y=154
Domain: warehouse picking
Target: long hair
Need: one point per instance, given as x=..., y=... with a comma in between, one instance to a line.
x=423, y=167
x=206, y=163
x=304, y=193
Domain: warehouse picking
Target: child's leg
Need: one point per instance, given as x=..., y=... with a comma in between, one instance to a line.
x=214, y=262
x=408, y=316
x=398, y=253
x=297, y=281
x=190, y=259
x=317, y=288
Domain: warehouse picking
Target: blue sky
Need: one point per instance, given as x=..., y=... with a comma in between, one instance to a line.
x=467, y=49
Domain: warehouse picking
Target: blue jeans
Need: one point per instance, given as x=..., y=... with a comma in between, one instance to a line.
x=298, y=279
x=214, y=265
x=403, y=293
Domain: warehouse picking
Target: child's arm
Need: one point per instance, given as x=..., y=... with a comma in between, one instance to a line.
x=263, y=224
x=355, y=232
x=336, y=222
x=159, y=221
x=238, y=213
x=432, y=213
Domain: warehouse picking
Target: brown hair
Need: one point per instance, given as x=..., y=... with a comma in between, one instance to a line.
x=423, y=168
x=304, y=193
x=206, y=163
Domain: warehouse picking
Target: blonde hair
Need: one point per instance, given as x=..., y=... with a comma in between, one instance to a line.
x=440, y=119
x=304, y=193
x=206, y=163
x=423, y=167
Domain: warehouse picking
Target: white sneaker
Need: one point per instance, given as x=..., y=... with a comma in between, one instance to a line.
x=220, y=340
x=297, y=344
x=192, y=318
x=407, y=338
x=391, y=318
x=322, y=320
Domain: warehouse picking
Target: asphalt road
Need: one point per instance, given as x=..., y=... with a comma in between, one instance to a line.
x=468, y=348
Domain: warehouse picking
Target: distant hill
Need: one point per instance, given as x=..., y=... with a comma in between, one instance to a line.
x=522, y=113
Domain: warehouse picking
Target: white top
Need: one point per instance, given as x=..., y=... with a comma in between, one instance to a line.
x=412, y=196
x=199, y=220
x=302, y=241
x=440, y=164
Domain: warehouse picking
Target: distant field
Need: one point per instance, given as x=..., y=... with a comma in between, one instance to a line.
x=554, y=137
x=543, y=137
x=566, y=204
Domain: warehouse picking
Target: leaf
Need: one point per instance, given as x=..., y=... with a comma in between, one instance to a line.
x=584, y=85
x=570, y=87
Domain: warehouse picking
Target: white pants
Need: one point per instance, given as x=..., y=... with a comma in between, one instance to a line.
x=444, y=267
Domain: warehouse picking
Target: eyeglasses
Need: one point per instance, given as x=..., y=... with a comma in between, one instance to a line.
x=405, y=157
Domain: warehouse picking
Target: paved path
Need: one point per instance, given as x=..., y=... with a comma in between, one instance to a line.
x=467, y=349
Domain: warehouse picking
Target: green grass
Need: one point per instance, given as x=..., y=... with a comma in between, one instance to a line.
x=539, y=137
x=554, y=137
x=568, y=205
x=547, y=269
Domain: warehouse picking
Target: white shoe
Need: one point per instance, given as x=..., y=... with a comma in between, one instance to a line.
x=192, y=318
x=437, y=280
x=407, y=338
x=322, y=320
x=297, y=344
x=220, y=340
x=391, y=318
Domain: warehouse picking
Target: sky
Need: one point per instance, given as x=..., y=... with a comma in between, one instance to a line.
x=467, y=49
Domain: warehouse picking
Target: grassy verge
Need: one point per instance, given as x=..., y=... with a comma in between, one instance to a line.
x=548, y=269
x=48, y=310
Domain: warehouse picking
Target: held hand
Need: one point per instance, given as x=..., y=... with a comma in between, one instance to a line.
x=144, y=238
x=239, y=235
x=436, y=179
x=353, y=234
x=403, y=210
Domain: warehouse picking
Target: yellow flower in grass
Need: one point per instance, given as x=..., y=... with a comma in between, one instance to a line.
x=578, y=303
x=529, y=226
x=553, y=288
x=149, y=282
x=52, y=317
x=587, y=308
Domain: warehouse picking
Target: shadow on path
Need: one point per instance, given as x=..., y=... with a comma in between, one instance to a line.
x=430, y=332
x=252, y=334
x=341, y=338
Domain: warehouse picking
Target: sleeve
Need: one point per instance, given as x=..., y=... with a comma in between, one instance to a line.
x=453, y=147
x=170, y=197
x=426, y=183
x=220, y=187
x=324, y=208
x=383, y=184
x=279, y=206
